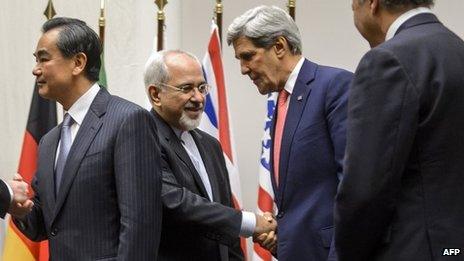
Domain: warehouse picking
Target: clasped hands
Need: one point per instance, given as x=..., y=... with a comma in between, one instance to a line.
x=21, y=204
x=266, y=232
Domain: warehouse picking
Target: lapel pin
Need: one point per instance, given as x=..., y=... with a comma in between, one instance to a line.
x=299, y=98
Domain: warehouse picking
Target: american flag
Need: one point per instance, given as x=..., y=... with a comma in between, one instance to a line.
x=265, y=192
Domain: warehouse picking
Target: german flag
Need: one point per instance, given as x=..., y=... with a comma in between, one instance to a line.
x=42, y=118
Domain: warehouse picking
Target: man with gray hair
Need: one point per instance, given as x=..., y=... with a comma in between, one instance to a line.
x=308, y=130
x=199, y=221
x=401, y=196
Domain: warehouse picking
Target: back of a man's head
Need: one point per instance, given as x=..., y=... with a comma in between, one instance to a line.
x=400, y=5
x=76, y=37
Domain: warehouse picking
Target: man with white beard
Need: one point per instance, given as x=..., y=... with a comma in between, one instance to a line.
x=199, y=221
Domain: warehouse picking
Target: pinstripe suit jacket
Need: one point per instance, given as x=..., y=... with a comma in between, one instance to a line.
x=108, y=206
x=194, y=228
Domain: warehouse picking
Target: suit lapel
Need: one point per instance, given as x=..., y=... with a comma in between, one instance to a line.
x=48, y=165
x=207, y=161
x=86, y=134
x=168, y=134
x=298, y=101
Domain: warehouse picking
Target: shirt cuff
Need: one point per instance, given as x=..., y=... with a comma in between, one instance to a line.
x=10, y=190
x=248, y=224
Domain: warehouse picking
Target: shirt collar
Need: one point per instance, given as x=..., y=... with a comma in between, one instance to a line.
x=403, y=18
x=178, y=132
x=293, y=76
x=80, y=108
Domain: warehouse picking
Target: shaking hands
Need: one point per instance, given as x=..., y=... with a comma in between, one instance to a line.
x=21, y=204
x=266, y=232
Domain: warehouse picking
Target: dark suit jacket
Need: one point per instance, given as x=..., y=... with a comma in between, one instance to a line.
x=109, y=204
x=402, y=194
x=194, y=228
x=5, y=198
x=313, y=145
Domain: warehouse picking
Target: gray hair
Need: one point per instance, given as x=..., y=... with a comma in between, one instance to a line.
x=263, y=25
x=156, y=71
x=398, y=4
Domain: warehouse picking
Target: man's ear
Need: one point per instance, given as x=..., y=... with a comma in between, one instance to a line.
x=80, y=61
x=374, y=6
x=154, y=93
x=281, y=47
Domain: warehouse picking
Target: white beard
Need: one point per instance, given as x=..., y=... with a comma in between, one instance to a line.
x=188, y=123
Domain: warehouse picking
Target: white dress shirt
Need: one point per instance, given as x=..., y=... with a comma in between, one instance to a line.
x=78, y=111
x=291, y=81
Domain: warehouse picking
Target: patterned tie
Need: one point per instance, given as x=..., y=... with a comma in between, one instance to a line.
x=279, y=128
x=65, y=145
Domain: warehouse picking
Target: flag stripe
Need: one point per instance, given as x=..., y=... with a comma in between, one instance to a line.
x=266, y=202
x=216, y=120
x=28, y=157
x=214, y=49
x=42, y=118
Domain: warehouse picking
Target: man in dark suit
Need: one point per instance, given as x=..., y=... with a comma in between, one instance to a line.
x=97, y=185
x=14, y=197
x=199, y=221
x=401, y=196
x=308, y=132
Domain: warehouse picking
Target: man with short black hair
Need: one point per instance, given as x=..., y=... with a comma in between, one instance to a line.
x=97, y=185
x=401, y=196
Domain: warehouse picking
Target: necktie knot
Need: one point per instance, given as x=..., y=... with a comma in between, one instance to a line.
x=68, y=120
x=283, y=96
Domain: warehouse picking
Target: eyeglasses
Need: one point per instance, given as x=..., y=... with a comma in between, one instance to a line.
x=188, y=88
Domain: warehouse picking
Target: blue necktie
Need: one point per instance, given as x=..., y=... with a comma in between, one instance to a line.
x=65, y=145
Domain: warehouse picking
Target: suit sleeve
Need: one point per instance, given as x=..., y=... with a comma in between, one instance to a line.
x=382, y=118
x=5, y=198
x=220, y=222
x=33, y=224
x=138, y=185
x=336, y=115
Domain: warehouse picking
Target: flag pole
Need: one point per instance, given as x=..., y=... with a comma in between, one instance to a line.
x=291, y=8
x=218, y=12
x=161, y=20
x=101, y=22
x=49, y=10
x=101, y=25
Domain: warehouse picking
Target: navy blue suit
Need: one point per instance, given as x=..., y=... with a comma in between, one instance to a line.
x=313, y=145
x=402, y=194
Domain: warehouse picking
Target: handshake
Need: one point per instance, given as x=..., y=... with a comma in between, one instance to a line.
x=21, y=205
x=266, y=232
